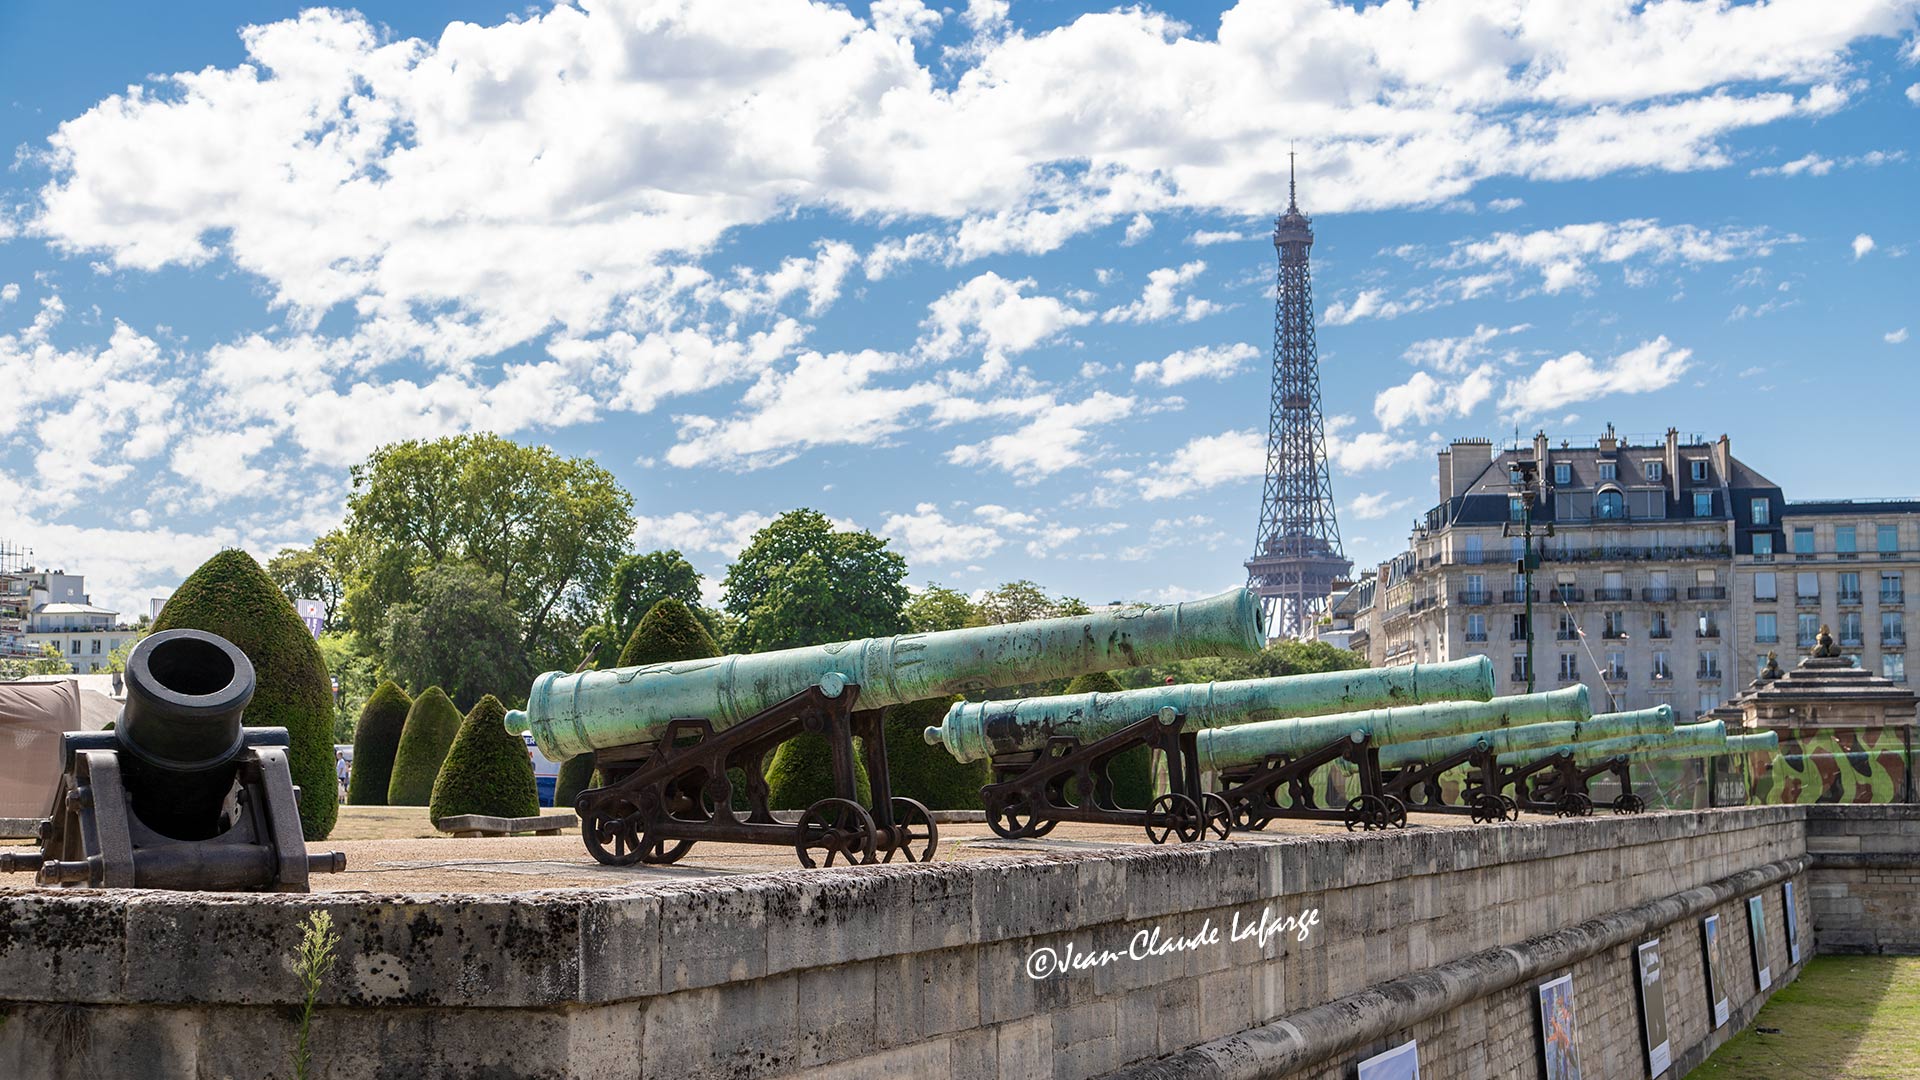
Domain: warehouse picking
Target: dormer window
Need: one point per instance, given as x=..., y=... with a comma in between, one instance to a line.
x=1699, y=466
x=1609, y=471
x=1563, y=474
x=1655, y=471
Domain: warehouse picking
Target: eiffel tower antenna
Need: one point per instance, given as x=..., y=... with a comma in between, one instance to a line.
x=1297, y=560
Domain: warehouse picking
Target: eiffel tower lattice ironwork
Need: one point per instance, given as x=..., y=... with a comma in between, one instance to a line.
x=1297, y=559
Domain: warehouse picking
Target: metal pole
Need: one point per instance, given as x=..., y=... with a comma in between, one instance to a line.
x=1526, y=559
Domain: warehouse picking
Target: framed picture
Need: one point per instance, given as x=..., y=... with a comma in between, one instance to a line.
x=1757, y=934
x=1400, y=1063
x=1793, y=927
x=1716, y=975
x=1559, y=1049
x=1653, y=1009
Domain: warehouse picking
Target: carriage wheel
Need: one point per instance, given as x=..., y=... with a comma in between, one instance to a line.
x=912, y=825
x=838, y=829
x=1368, y=812
x=1175, y=815
x=1219, y=815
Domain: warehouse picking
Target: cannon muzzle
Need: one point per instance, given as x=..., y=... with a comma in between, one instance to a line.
x=180, y=730
x=1250, y=744
x=1563, y=733
x=1686, y=744
x=976, y=729
x=1709, y=736
x=570, y=714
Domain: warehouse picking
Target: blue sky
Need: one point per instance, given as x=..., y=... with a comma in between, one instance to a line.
x=992, y=280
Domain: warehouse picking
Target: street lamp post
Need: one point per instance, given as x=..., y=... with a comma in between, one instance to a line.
x=1524, y=477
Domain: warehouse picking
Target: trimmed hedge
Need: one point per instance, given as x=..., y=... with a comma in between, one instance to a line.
x=668, y=631
x=1132, y=770
x=232, y=596
x=487, y=771
x=431, y=727
x=928, y=773
x=801, y=774
x=376, y=738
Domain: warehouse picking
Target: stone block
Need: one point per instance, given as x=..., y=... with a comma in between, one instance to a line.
x=713, y=932
x=1024, y=1048
x=838, y=1012
x=67, y=948
x=619, y=948
x=836, y=917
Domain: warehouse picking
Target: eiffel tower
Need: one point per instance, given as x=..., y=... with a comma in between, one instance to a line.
x=1297, y=559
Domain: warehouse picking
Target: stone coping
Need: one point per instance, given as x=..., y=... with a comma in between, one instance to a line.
x=598, y=945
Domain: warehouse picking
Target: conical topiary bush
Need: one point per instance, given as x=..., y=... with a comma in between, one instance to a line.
x=576, y=776
x=376, y=738
x=1132, y=770
x=668, y=631
x=431, y=726
x=487, y=771
x=928, y=773
x=801, y=774
x=232, y=596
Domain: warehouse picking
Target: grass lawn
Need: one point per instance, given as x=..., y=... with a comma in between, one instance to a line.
x=1852, y=1017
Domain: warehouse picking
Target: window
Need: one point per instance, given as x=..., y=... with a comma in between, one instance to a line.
x=1709, y=701
x=1616, y=625
x=1609, y=505
x=1766, y=628
x=95, y=650
x=1849, y=588
x=1476, y=588
x=1809, y=631
x=1763, y=547
x=1843, y=540
x=1476, y=627
x=1655, y=471
x=1661, y=669
x=1518, y=583
x=1473, y=551
x=1563, y=473
x=1708, y=625
x=1569, y=628
x=1893, y=666
x=1803, y=541
x=1892, y=631
x=1616, y=665
x=1569, y=667
x=1519, y=628
x=1890, y=590
x=1609, y=471
x=1709, y=666
x=1703, y=504
x=1660, y=628
x=1519, y=667
x=1761, y=514
x=1516, y=549
x=1849, y=628
x=1806, y=585
x=75, y=647
x=1889, y=539
x=1699, y=467
x=1516, y=508
x=1765, y=586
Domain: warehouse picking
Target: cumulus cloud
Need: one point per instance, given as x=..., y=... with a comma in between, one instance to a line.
x=714, y=531
x=1894, y=337
x=1861, y=245
x=1161, y=300
x=9, y=292
x=1574, y=376
x=1366, y=450
x=1453, y=355
x=1054, y=439
x=1565, y=257
x=1205, y=462
x=824, y=399
x=1426, y=399
x=991, y=314
x=1202, y=362
x=1376, y=505
x=928, y=536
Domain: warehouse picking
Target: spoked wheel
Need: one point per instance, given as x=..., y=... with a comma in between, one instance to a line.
x=836, y=829
x=1219, y=815
x=1013, y=819
x=1177, y=816
x=1396, y=812
x=914, y=834
x=1513, y=807
x=613, y=838
x=1367, y=812
x=1582, y=806
x=1629, y=803
x=1488, y=809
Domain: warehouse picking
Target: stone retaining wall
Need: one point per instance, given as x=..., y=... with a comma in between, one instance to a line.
x=909, y=970
x=1866, y=874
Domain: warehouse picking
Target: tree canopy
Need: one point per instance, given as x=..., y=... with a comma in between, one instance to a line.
x=801, y=582
x=937, y=607
x=313, y=573
x=546, y=530
x=456, y=633
x=637, y=584
x=1022, y=601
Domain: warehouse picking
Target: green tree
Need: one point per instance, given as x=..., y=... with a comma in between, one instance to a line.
x=230, y=595
x=639, y=582
x=376, y=739
x=1277, y=659
x=1023, y=601
x=668, y=632
x=546, y=530
x=425, y=739
x=456, y=633
x=937, y=607
x=309, y=574
x=929, y=773
x=801, y=582
x=49, y=662
x=1130, y=770
x=356, y=675
x=487, y=771
x=117, y=659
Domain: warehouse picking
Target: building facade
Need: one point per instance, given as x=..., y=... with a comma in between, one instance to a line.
x=1643, y=585
x=58, y=612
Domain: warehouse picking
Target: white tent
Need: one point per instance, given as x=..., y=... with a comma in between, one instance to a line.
x=33, y=714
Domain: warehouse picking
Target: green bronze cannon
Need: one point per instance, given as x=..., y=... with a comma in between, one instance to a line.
x=1253, y=763
x=666, y=736
x=1560, y=777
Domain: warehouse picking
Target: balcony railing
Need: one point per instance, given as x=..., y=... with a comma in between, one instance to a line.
x=1893, y=641
x=1613, y=635
x=1615, y=675
x=1476, y=598
x=1898, y=596
x=1517, y=676
x=1519, y=596
x=1847, y=598
x=1660, y=632
x=1517, y=636
x=1659, y=596
x=1471, y=636
x=1567, y=594
x=1566, y=635
x=1662, y=674
x=1806, y=600
x=1707, y=673
x=1706, y=631
x=1706, y=592
x=1767, y=639
x=1851, y=640
x=1612, y=594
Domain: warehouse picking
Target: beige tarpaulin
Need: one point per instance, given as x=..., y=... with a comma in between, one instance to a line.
x=32, y=716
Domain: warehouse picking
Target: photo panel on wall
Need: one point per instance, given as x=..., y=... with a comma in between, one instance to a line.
x=1757, y=935
x=1400, y=1063
x=1559, y=1041
x=1653, y=1009
x=1716, y=974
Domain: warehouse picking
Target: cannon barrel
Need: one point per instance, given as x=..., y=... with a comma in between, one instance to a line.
x=1734, y=744
x=1708, y=734
x=180, y=729
x=976, y=729
x=1250, y=744
x=1655, y=721
x=570, y=714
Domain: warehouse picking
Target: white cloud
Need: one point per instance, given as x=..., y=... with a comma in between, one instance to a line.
x=1452, y=356
x=1502, y=206
x=990, y=313
x=1426, y=399
x=1564, y=257
x=1913, y=93
x=1161, y=298
x=1812, y=164
x=908, y=19
x=1861, y=245
x=1369, y=304
x=825, y=399
x=1137, y=230
x=928, y=536
x=9, y=292
x=1368, y=507
x=1053, y=440
x=1205, y=462
x=1202, y=362
x=1894, y=337
x=1208, y=238
x=1653, y=365
x=1000, y=517
x=1366, y=450
x=715, y=531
